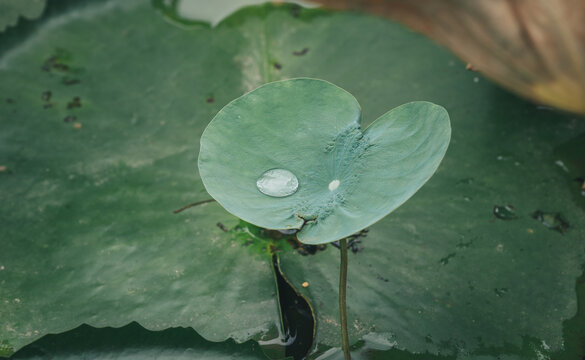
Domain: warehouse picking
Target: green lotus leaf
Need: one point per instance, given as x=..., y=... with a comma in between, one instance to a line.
x=292, y=155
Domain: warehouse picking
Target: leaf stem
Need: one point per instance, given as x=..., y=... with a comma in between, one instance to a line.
x=193, y=204
x=342, y=302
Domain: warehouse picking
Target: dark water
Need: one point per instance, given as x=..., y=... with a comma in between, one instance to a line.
x=297, y=317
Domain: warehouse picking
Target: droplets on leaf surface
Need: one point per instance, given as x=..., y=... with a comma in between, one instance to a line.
x=333, y=185
x=506, y=212
x=277, y=183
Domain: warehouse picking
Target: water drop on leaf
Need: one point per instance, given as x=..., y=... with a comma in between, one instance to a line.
x=277, y=183
x=333, y=185
x=507, y=212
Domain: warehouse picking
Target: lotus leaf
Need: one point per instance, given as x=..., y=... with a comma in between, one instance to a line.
x=342, y=179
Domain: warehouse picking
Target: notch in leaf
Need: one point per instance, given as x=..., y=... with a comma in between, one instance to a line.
x=291, y=154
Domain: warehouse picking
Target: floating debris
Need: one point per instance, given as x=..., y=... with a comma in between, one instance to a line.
x=501, y=291
x=553, y=221
x=353, y=241
x=506, y=212
x=70, y=81
x=295, y=10
x=222, y=227
x=306, y=249
x=301, y=52
x=75, y=103
x=445, y=260
x=380, y=277
x=57, y=61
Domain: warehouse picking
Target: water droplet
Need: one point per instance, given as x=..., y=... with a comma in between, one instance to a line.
x=553, y=221
x=464, y=245
x=562, y=165
x=333, y=185
x=507, y=212
x=277, y=183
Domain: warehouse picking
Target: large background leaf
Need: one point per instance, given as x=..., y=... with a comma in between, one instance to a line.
x=87, y=238
x=88, y=234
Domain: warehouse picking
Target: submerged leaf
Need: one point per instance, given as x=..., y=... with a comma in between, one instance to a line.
x=300, y=142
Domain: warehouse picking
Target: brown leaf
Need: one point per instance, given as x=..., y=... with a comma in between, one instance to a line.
x=533, y=47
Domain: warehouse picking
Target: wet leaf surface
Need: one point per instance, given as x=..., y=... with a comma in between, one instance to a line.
x=88, y=231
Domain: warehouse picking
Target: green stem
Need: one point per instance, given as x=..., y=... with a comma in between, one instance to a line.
x=342, y=306
x=194, y=204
